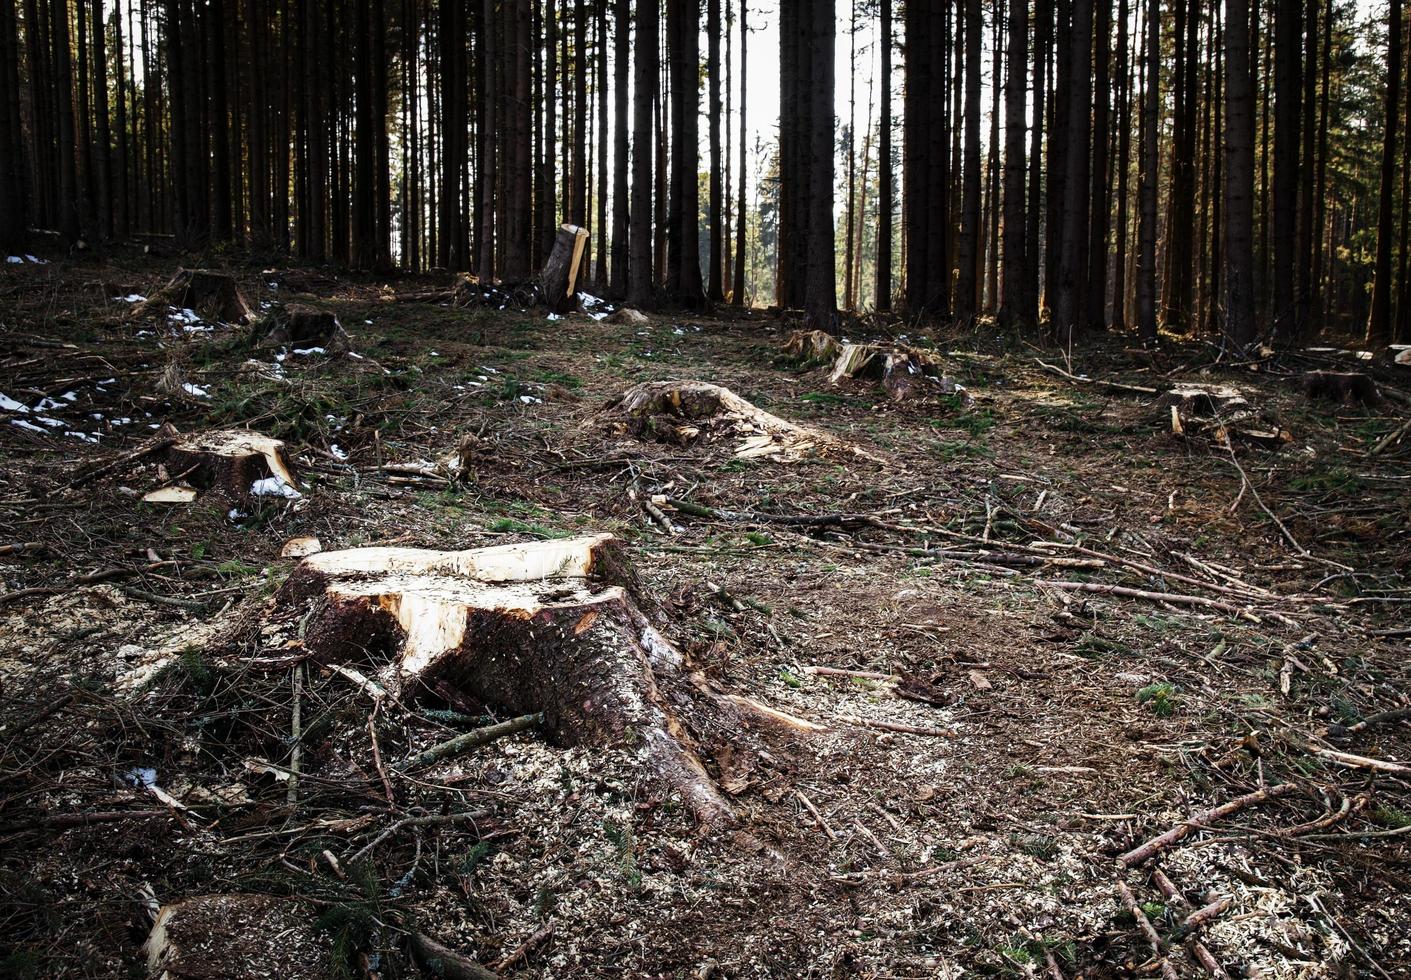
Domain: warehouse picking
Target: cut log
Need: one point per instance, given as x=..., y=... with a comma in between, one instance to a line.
x=232, y=937
x=235, y=462
x=811, y=346
x=301, y=327
x=686, y=411
x=551, y=627
x=212, y=295
x=1347, y=388
x=560, y=276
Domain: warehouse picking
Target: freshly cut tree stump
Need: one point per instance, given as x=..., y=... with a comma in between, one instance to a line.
x=213, y=295
x=1347, y=388
x=235, y=462
x=233, y=937
x=301, y=327
x=1192, y=408
x=561, y=271
x=905, y=372
x=551, y=627
x=684, y=411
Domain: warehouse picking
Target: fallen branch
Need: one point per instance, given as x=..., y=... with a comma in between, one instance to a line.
x=1110, y=385
x=1129, y=900
x=891, y=726
x=441, y=961
x=470, y=740
x=428, y=821
x=523, y=949
x=1156, y=845
x=1175, y=598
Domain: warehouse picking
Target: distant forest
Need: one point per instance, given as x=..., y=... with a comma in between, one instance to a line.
x=1234, y=170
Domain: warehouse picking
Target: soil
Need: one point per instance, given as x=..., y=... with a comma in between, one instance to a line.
x=1001, y=739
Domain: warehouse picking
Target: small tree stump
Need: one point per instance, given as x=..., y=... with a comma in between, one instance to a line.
x=551, y=627
x=212, y=295
x=684, y=411
x=560, y=276
x=811, y=346
x=234, y=462
x=303, y=327
x=236, y=936
x=1344, y=387
x=628, y=317
x=905, y=372
x=1201, y=404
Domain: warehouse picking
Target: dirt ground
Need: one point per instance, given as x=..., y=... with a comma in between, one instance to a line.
x=1004, y=726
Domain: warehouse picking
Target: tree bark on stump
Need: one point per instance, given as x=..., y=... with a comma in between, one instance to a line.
x=213, y=295
x=301, y=326
x=550, y=626
x=562, y=270
x=233, y=462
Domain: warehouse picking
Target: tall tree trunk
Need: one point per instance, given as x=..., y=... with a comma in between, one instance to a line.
x=1043, y=35
x=639, y=269
x=882, y=299
x=1320, y=211
x=1150, y=166
x=683, y=269
x=12, y=181
x=1180, y=203
x=737, y=292
x=622, y=48
x=968, y=250
x=63, y=88
x=1288, y=32
x=1013, y=309
x=1124, y=162
x=1070, y=290
x=548, y=211
x=821, y=303
x=715, y=280
x=1307, y=190
x=601, y=50
x=1379, y=319
x=926, y=160
x=1403, y=293
x=515, y=258
x=1239, y=179
x=102, y=136
x=1100, y=187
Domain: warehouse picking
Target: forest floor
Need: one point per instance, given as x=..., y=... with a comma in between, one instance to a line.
x=1053, y=727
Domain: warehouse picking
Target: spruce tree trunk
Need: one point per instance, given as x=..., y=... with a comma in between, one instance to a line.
x=882, y=299
x=1150, y=165
x=63, y=94
x=1239, y=179
x=639, y=270
x=622, y=162
x=968, y=247
x=1307, y=190
x=1124, y=161
x=737, y=292
x=821, y=302
x=715, y=291
x=683, y=275
x=1288, y=29
x=12, y=200
x=102, y=136
x=1012, y=309
x=1100, y=186
x=1070, y=288
x=1379, y=319
x=1320, y=208
x=1034, y=260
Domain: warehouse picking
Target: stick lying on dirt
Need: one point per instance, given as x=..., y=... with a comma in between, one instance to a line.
x=1130, y=901
x=470, y=740
x=1110, y=385
x=1151, y=848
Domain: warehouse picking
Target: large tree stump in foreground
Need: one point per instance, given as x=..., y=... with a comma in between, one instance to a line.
x=235, y=462
x=561, y=271
x=685, y=411
x=224, y=937
x=551, y=626
x=212, y=295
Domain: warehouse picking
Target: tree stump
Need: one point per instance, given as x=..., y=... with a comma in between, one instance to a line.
x=1197, y=406
x=628, y=317
x=811, y=346
x=560, y=276
x=232, y=937
x=686, y=411
x=212, y=295
x=302, y=327
x=551, y=627
x=1347, y=388
x=905, y=372
x=233, y=462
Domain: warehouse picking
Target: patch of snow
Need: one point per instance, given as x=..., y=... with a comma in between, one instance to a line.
x=51, y=422
x=85, y=436
x=27, y=425
x=14, y=260
x=598, y=316
x=10, y=405
x=69, y=396
x=531, y=400
x=236, y=514
x=195, y=390
x=336, y=452
x=140, y=778
x=589, y=300
x=130, y=298
x=47, y=404
x=273, y=486
x=107, y=381
x=552, y=316
x=36, y=261
x=306, y=351
x=356, y=356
